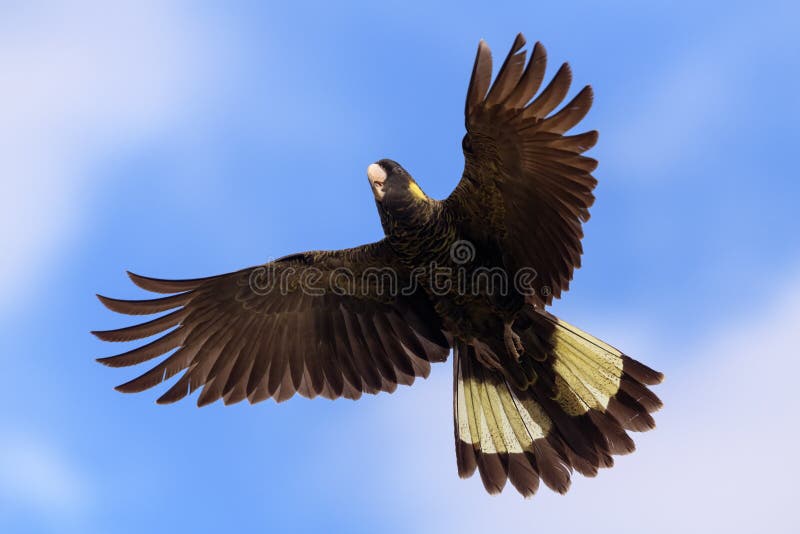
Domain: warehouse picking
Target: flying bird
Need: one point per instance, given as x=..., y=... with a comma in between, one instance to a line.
x=534, y=397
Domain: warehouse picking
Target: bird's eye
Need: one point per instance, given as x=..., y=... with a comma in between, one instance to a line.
x=466, y=144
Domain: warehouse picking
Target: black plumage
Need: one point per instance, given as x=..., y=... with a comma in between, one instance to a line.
x=534, y=397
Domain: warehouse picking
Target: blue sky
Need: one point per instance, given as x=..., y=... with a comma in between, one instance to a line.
x=182, y=140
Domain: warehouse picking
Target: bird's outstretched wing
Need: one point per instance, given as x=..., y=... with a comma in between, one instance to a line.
x=333, y=323
x=526, y=188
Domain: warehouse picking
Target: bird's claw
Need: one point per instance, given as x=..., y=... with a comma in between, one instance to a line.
x=513, y=342
x=485, y=355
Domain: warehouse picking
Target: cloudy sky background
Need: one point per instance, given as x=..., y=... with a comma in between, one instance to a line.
x=181, y=140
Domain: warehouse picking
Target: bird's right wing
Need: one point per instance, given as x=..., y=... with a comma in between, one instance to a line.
x=526, y=186
x=333, y=323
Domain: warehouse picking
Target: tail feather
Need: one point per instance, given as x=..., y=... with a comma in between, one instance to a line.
x=503, y=432
x=573, y=416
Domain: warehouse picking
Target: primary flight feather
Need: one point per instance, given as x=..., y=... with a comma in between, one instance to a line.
x=534, y=397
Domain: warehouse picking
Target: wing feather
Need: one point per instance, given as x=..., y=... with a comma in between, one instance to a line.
x=526, y=188
x=235, y=341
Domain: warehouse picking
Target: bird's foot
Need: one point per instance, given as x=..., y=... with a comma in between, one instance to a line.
x=485, y=355
x=513, y=342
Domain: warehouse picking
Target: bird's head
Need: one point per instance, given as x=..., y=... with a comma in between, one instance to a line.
x=394, y=189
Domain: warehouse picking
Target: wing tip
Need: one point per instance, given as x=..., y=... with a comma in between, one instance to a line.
x=591, y=138
x=567, y=70
x=588, y=93
x=163, y=285
x=124, y=388
x=519, y=42
x=103, y=335
x=148, y=283
x=170, y=397
x=202, y=403
x=108, y=361
x=115, y=305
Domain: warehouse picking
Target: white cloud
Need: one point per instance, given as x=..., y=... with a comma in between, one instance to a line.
x=35, y=476
x=76, y=82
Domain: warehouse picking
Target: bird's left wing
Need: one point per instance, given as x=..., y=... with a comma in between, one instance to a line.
x=335, y=324
x=526, y=186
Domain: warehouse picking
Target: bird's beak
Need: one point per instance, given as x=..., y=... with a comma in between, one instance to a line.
x=377, y=177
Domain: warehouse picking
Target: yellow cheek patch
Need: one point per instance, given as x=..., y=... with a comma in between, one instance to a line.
x=416, y=191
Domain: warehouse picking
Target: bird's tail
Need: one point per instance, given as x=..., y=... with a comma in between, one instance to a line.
x=573, y=415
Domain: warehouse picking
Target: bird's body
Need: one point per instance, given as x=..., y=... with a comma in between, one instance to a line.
x=427, y=246
x=534, y=397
